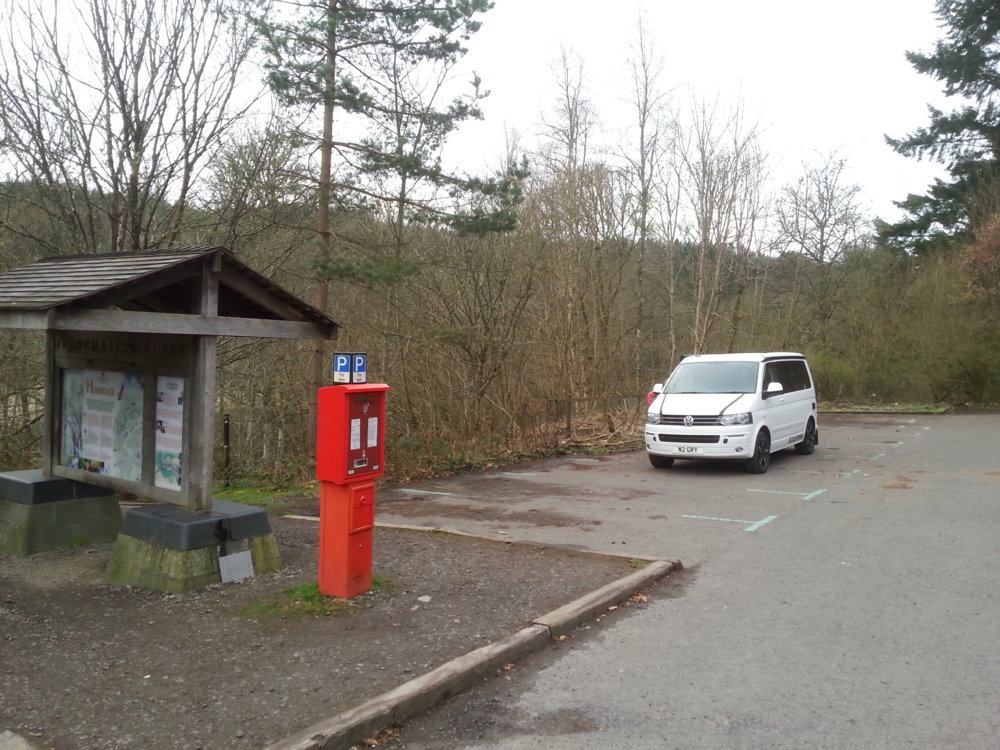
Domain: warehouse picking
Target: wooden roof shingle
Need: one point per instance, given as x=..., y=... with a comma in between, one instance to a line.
x=156, y=281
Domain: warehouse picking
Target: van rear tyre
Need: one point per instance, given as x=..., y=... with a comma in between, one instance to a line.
x=808, y=444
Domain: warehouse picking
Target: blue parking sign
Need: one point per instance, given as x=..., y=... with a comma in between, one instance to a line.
x=350, y=367
x=342, y=367
x=360, y=370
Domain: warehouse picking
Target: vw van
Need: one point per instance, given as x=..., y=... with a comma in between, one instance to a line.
x=733, y=406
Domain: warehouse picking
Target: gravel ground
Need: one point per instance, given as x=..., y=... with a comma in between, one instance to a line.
x=84, y=664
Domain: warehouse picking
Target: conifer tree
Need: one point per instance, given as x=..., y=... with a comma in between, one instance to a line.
x=966, y=140
x=376, y=73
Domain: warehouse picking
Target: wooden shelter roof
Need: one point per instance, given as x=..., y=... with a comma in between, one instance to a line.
x=155, y=291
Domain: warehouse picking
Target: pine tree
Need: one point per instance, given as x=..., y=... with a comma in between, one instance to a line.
x=376, y=71
x=966, y=140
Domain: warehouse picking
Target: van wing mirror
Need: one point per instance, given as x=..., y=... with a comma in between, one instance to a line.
x=773, y=388
x=658, y=388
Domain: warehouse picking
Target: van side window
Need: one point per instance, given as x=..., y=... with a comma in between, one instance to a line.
x=794, y=375
x=802, y=375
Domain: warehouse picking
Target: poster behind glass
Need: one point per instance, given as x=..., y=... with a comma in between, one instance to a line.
x=102, y=422
x=169, y=432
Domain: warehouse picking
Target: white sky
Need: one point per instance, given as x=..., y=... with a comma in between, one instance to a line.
x=817, y=76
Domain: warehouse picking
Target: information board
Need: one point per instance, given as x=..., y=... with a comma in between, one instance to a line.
x=169, y=437
x=102, y=422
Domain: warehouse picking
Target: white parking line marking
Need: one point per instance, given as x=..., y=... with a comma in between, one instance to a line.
x=758, y=524
x=423, y=492
x=521, y=473
x=803, y=495
x=754, y=525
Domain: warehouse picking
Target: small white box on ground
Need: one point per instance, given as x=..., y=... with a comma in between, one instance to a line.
x=236, y=567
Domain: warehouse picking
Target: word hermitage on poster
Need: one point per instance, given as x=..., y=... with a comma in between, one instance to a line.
x=102, y=422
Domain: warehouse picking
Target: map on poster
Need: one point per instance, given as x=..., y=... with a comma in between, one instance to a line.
x=169, y=432
x=102, y=422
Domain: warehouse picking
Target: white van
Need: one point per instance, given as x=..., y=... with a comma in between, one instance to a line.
x=733, y=406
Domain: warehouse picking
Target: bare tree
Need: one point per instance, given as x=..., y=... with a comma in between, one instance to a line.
x=719, y=165
x=819, y=220
x=556, y=210
x=645, y=155
x=256, y=200
x=109, y=110
x=819, y=215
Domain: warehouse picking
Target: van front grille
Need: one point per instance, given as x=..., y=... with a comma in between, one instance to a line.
x=678, y=419
x=667, y=438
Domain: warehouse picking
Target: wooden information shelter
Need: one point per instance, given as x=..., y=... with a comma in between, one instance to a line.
x=131, y=360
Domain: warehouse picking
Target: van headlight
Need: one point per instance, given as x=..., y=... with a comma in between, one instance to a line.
x=741, y=418
x=652, y=417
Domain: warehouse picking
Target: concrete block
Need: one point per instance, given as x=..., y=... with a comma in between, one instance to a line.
x=32, y=487
x=173, y=549
x=178, y=528
x=136, y=562
x=29, y=528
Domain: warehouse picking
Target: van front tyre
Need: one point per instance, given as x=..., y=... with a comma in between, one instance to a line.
x=660, y=462
x=761, y=459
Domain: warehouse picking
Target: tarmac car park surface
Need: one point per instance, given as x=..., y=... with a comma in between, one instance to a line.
x=846, y=599
x=619, y=505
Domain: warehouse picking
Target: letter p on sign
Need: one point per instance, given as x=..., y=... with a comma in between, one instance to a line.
x=342, y=368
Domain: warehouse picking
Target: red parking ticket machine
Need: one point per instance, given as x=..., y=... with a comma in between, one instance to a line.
x=350, y=445
x=350, y=454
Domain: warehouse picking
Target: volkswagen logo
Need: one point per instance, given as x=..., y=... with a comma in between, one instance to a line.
x=688, y=421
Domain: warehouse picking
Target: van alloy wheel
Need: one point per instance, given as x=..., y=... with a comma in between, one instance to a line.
x=761, y=459
x=808, y=444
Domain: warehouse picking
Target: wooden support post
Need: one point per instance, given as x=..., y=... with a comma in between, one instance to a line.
x=200, y=419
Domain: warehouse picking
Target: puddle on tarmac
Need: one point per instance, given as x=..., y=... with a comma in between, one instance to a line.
x=426, y=505
x=677, y=584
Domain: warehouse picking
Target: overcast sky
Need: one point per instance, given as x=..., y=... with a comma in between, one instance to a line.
x=816, y=76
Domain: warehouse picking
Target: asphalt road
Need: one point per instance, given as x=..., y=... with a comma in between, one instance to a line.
x=847, y=599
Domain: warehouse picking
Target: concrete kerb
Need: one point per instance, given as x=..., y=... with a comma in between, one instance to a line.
x=409, y=699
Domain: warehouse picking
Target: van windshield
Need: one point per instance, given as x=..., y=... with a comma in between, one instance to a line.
x=713, y=377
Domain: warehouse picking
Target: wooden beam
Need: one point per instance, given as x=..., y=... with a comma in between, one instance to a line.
x=84, y=319
x=259, y=296
x=37, y=320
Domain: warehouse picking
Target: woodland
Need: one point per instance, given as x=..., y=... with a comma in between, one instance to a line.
x=512, y=313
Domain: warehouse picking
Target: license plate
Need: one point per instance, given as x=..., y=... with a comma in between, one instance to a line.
x=688, y=449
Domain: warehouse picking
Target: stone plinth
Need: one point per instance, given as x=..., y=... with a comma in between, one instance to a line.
x=40, y=512
x=169, y=548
